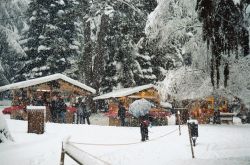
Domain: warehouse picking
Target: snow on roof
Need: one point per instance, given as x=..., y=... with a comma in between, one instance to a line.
x=40, y=80
x=36, y=108
x=166, y=104
x=124, y=92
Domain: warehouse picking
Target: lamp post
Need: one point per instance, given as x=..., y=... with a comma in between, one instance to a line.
x=179, y=121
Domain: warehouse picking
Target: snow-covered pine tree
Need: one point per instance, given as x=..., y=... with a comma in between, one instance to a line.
x=169, y=29
x=100, y=51
x=144, y=75
x=86, y=61
x=11, y=23
x=74, y=35
x=52, y=45
x=125, y=21
x=3, y=79
x=124, y=64
x=37, y=19
x=109, y=79
x=120, y=62
x=91, y=13
x=85, y=58
x=125, y=59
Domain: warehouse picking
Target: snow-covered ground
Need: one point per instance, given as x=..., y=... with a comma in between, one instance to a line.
x=217, y=144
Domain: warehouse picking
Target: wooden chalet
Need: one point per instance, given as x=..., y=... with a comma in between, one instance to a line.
x=203, y=110
x=23, y=93
x=127, y=96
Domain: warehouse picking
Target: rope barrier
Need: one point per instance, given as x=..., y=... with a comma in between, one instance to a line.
x=71, y=144
x=123, y=144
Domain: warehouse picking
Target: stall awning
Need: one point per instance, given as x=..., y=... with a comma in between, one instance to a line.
x=124, y=92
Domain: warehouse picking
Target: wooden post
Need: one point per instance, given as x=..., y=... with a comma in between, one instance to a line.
x=62, y=156
x=179, y=122
x=191, y=145
x=36, y=119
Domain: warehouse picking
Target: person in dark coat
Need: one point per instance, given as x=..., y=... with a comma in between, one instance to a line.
x=144, y=123
x=39, y=101
x=53, y=109
x=62, y=108
x=216, y=119
x=86, y=114
x=82, y=112
x=80, y=106
x=122, y=113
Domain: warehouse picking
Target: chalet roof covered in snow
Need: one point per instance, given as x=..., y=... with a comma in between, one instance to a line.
x=124, y=92
x=41, y=80
x=166, y=104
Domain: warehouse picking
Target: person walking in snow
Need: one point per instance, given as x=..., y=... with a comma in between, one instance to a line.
x=121, y=113
x=144, y=123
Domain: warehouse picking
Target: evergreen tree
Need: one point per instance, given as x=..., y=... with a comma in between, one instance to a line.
x=100, y=50
x=109, y=79
x=125, y=67
x=144, y=74
x=3, y=80
x=120, y=58
x=86, y=60
x=52, y=45
x=169, y=30
x=11, y=24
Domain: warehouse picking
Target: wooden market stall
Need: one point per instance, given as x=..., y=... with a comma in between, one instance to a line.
x=203, y=110
x=26, y=92
x=127, y=96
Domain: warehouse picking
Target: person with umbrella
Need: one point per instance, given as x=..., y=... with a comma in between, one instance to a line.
x=140, y=109
x=144, y=123
x=121, y=113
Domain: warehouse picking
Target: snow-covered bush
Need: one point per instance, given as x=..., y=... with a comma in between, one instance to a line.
x=4, y=131
x=188, y=83
x=175, y=36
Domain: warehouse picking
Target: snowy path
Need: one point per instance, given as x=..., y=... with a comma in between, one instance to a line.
x=217, y=144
